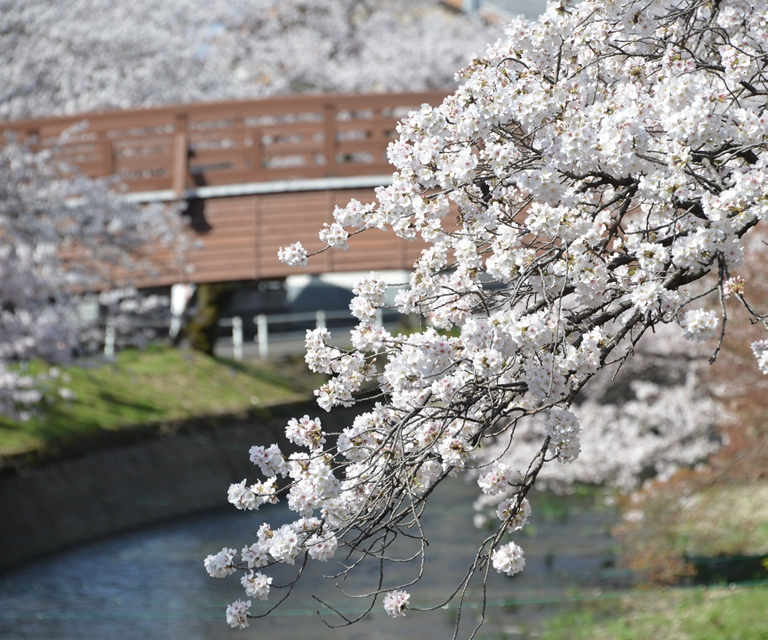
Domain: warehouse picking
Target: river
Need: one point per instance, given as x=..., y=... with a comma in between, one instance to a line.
x=150, y=584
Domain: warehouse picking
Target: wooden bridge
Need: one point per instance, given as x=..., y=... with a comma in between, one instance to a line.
x=256, y=175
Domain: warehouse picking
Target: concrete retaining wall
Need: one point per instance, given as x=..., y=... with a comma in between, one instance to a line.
x=68, y=502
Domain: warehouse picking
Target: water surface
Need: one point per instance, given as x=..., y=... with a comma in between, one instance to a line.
x=150, y=584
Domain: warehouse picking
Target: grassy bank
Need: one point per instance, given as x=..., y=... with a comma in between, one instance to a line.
x=720, y=613
x=160, y=386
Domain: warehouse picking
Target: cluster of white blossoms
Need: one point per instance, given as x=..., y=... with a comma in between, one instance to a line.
x=395, y=603
x=495, y=479
x=237, y=614
x=514, y=514
x=592, y=178
x=700, y=324
x=760, y=349
x=293, y=255
x=250, y=498
x=654, y=416
x=509, y=559
x=256, y=585
x=222, y=564
x=334, y=236
x=563, y=431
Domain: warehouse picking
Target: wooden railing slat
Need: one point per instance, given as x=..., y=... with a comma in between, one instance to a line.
x=156, y=148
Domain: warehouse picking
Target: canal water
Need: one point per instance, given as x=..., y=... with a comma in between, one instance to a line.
x=150, y=584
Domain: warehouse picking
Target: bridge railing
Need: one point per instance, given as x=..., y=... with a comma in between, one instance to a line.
x=317, y=318
x=178, y=148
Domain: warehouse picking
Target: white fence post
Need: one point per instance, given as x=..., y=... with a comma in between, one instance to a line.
x=237, y=338
x=380, y=317
x=319, y=319
x=262, y=335
x=109, y=339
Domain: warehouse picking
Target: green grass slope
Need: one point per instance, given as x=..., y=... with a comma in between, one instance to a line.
x=720, y=613
x=160, y=386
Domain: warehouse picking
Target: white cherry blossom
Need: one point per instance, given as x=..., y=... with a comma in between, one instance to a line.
x=395, y=603
x=237, y=614
x=509, y=559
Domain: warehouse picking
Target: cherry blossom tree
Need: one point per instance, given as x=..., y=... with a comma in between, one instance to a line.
x=61, y=235
x=592, y=181
x=63, y=58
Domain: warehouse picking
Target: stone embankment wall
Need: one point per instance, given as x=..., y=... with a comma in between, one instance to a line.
x=48, y=508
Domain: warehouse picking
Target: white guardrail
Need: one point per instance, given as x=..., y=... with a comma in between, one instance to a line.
x=262, y=322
